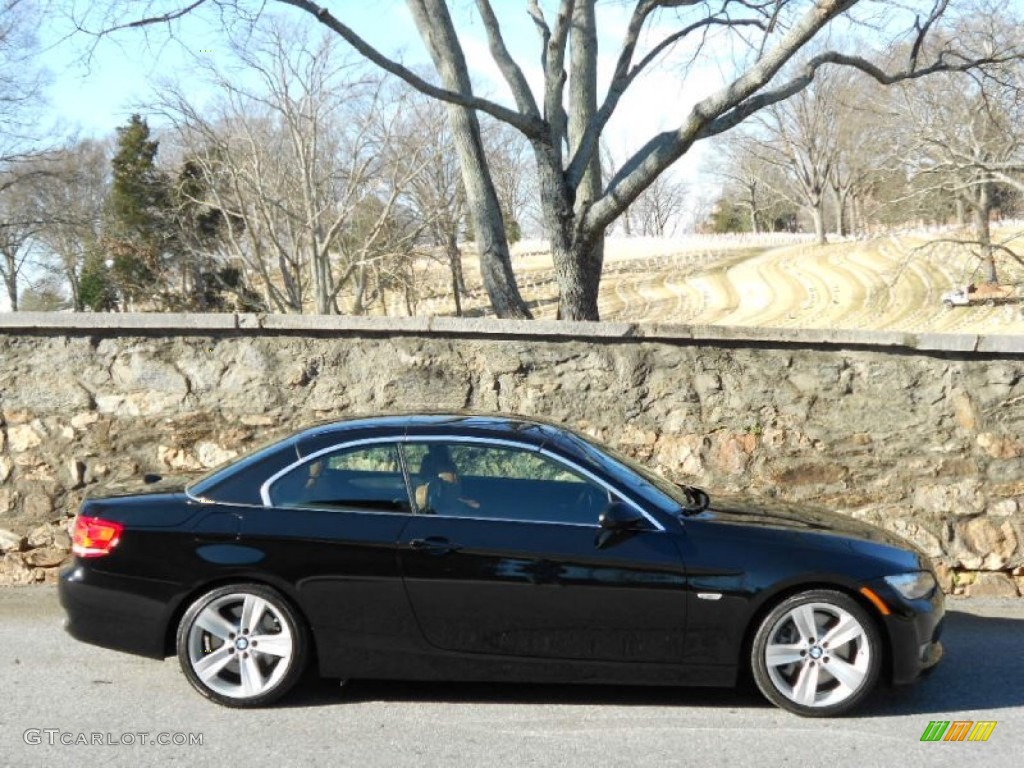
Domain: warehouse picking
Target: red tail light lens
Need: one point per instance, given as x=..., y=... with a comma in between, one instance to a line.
x=94, y=537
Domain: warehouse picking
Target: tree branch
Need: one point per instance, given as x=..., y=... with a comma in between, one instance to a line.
x=529, y=126
x=922, y=30
x=664, y=149
x=625, y=76
x=555, y=77
x=797, y=84
x=165, y=18
x=537, y=14
x=509, y=69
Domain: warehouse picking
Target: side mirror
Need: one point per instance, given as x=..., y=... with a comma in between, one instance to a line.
x=620, y=516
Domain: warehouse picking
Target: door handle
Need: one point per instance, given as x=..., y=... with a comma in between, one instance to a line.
x=434, y=545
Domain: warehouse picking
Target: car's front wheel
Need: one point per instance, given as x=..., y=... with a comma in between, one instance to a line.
x=817, y=654
x=242, y=645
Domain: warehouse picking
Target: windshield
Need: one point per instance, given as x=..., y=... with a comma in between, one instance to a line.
x=652, y=486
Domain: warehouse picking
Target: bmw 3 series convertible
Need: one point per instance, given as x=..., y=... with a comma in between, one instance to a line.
x=492, y=548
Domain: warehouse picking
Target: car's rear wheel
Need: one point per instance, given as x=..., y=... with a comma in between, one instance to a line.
x=242, y=645
x=817, y=654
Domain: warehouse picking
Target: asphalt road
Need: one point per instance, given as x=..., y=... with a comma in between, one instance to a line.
x=54, y=689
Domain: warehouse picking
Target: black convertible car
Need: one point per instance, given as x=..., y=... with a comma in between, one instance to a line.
x=468, y=547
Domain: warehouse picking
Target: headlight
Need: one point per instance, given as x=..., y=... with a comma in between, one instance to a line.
x=912, y=585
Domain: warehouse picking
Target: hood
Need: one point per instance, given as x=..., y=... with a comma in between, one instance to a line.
x=770, y=513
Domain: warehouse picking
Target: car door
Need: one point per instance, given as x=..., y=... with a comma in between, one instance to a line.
x=505, y=556
x=330, y=526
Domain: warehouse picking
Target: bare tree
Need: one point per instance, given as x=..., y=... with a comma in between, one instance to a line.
x=751, y=181
x=860, y=151
x=801, y=137
x=21, y=82
x=45, y=294
x=659, y=209
x=435, y=193
x=21, y=78
x=293, y=161
x=20, y=222
x=72, y=194
x=966, y=137
x=514, y=174
x=565, y=121
x=743, y=172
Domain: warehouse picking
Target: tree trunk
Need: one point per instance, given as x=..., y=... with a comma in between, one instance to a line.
x=839, y=198
x=198, y=285
x=455, y=265
x=411, y=300
x=983, y=231
x=587, y=257
x=751, y=206
x=818, y=216
x=578, y=281
x=11, y=280
x=961, y=213
x=358, y=308
x=577, y=275
x=438, y=33
x=322, y=275
x=76, y=295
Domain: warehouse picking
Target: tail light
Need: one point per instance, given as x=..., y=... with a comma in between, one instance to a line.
x=94, y=537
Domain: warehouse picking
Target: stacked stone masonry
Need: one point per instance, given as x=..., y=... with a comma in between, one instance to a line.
x=922, y=435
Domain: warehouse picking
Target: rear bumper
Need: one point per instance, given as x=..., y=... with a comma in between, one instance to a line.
x=105, y=610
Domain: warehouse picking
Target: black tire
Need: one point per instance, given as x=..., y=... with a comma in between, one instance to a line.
x=241, y=673
x=795, y=633
x=947, y=304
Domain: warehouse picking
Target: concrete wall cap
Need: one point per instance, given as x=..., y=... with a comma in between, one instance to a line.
x=115, y=321
x=948, y=342
x=68, y=323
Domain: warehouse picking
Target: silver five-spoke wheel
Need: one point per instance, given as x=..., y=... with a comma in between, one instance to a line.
x=241, y=645
x=816, y=653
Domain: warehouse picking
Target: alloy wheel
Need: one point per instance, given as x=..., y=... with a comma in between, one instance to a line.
x=241, y=646
x=817, y=656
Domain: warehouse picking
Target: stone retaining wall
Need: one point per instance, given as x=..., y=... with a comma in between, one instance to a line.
x=923, y=435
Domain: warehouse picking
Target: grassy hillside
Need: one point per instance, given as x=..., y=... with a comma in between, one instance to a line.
x=887, y=283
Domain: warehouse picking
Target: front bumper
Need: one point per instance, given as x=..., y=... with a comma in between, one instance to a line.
x=914, y=628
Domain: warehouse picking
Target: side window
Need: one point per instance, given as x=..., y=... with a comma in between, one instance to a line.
x=497, y=482
x=363, y=478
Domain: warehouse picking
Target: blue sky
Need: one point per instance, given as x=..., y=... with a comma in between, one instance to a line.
x=96, y=84
x=92, y=94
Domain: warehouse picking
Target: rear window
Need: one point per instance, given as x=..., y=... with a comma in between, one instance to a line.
x=239, y=481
